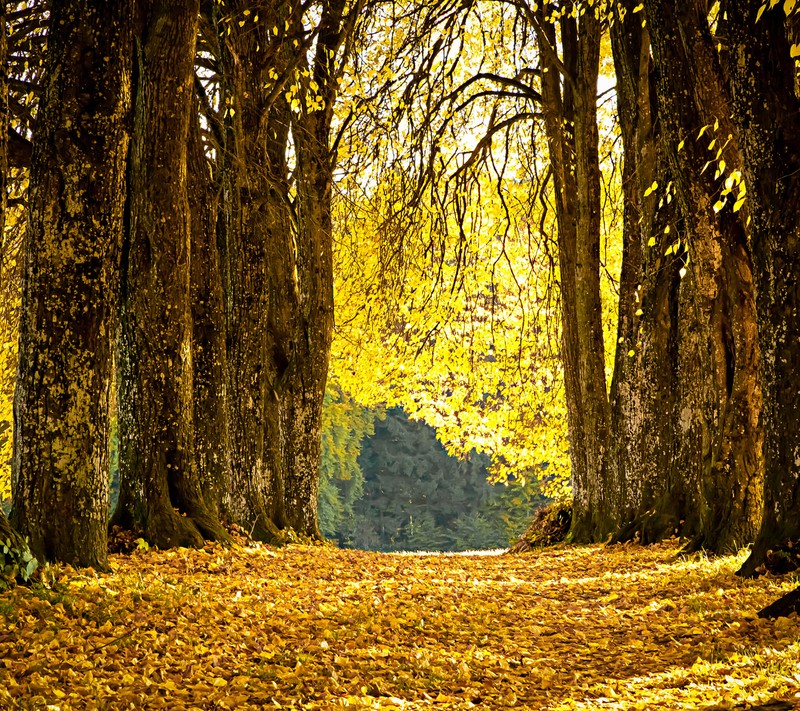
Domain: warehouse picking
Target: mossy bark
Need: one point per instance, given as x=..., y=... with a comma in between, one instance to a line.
x=70, y=282
x=159, y=488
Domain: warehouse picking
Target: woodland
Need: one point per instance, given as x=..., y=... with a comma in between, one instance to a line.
x=245, y=245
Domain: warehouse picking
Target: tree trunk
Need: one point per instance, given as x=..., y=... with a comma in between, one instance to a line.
x=720, y=397
x=312, y=317
x=212, y=458
x=71, y=276
x=650, y=494
x=159, y=489
x=765, y=109
x=576, y=174
x=8, y=535
x=257, y=252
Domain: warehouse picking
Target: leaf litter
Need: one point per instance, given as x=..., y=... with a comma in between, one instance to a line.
x=315, y=627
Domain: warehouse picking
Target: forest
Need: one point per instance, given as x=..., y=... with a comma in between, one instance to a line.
x=268, y=267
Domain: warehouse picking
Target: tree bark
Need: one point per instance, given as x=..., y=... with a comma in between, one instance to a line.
x=257, y=252
x=212, y=458
x=71, y=276
x=765, y=109
x=312, y=320
x=720, y=393
x=159, y=489
x=571, y=127
x=650, y=494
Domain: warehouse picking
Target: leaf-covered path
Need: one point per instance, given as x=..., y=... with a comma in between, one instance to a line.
x=320, y=628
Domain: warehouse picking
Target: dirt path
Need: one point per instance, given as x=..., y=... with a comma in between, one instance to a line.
x=319, y=628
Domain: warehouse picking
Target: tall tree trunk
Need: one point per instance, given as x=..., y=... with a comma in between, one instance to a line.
x=650, y=495
x=159, y=489
x=571, y=126
x=312, y=320
x=212, y=458
x=720, y=392
x=257, y=249
x=70, y=282
x=7, y=535
x=766, y=111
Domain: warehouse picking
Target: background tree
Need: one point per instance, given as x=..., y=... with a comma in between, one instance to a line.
x=650, y=493
x=158, y=481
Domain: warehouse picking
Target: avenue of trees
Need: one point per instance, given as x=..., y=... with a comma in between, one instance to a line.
x=194, y=183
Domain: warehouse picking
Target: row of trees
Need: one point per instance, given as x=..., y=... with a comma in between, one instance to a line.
x=695, y=432
x=177, y=264
x=698, y=433
x=195, y=214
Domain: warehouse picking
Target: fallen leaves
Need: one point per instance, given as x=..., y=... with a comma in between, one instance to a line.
x=318, y=628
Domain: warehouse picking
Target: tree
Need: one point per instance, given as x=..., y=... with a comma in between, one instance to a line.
x=211, y=398
x=277, y=89
x=569, y=104
x=650, y=494
x=71, y=251
x=255, y=224
x=301, y=402
x=765, y=106
x=159, y=487
x=718, y=350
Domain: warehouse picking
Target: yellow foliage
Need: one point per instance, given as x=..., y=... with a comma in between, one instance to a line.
x=447, y=302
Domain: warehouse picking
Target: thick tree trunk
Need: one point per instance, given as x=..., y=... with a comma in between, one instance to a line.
x=650, y=496
x=571, y=126
x=766, y=110
x=77, y=188
x=720, y=397
x=159, y=490
x=212, y=459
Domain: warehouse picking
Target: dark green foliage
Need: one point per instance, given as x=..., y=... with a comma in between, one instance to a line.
x=344, y=426
x=404, y=492
x=16, y=562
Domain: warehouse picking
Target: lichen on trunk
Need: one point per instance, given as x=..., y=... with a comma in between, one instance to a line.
x=71, y=276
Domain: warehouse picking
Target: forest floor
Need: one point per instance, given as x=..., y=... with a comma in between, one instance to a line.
x=621, y=627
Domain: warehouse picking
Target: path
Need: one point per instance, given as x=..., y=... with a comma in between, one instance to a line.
x=319, y=628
